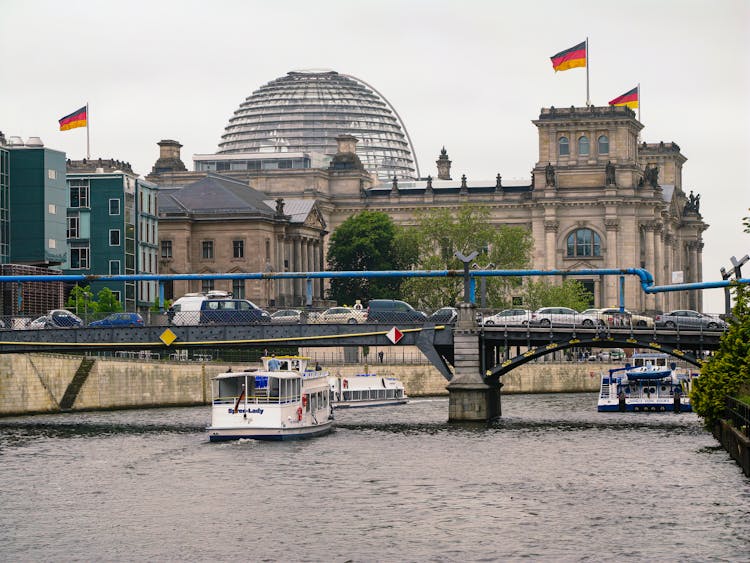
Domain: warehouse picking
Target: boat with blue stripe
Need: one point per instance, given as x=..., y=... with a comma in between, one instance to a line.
x=650, y=384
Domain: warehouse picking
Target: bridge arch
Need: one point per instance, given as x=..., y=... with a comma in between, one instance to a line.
x=588, y=342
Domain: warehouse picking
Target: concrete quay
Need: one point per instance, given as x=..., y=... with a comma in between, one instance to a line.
x=50, y=383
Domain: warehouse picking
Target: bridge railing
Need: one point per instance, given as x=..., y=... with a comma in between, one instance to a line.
x=738, y=414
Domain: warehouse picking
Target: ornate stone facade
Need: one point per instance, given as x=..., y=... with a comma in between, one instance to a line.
x=597, y=198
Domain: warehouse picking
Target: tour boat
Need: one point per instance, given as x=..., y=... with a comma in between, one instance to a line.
x=650, y=384
x=366, y=390
x=285, y=400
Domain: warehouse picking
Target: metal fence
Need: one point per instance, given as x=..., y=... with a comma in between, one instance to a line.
x=738, y=414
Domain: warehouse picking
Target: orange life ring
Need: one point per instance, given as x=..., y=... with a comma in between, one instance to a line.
x=299, y=413
x=304, y=400
x=346, y=384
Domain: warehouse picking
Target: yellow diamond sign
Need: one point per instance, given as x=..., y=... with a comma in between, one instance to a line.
x=168, y=337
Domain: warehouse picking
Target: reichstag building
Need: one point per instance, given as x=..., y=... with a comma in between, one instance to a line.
x=308, y=150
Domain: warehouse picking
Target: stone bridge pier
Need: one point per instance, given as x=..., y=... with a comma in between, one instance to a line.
x=470, y=399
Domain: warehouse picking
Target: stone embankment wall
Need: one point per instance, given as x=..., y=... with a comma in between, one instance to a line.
x=48, y=383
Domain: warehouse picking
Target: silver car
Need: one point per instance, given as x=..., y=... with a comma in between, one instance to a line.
x=689, y=320
x=287, y=316
x=562, y=316
x=509, y=317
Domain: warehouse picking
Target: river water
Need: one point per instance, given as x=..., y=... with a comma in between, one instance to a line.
x=553, y=481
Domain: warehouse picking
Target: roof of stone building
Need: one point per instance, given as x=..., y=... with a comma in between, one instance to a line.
x=215, y=194
x=298, y=209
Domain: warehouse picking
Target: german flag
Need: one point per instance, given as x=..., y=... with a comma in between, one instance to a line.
x=570, y=58
x=629, y=98
x=78, y=118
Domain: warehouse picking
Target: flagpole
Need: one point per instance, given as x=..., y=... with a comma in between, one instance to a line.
x=588, y=60
x=639, y=102
x=88, y=119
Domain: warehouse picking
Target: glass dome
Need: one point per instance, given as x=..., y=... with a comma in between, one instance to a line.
x=305, y=112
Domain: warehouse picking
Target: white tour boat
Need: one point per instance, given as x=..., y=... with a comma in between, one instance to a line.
x=366, y=390
x=650, y=384
x=285, y=400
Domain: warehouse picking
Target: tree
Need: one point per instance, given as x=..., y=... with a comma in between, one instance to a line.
x=543, y=293
x=107, y=302
x=440, y=233
x=728, y=371
x=366, y=241
x=81, y=300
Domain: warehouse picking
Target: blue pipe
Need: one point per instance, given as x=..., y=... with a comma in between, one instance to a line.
x=646, y=279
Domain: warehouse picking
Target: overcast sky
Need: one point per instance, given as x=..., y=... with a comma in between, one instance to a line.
x=469, y=75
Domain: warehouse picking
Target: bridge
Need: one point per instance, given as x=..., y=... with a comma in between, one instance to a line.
x=471, y=357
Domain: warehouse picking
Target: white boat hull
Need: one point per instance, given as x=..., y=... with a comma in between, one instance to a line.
x=216, y=434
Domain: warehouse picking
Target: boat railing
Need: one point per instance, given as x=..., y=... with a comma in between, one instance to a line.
x=257, y=399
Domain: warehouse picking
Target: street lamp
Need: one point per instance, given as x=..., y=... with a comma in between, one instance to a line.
x=483, y=282
x=467, y=279
x=725, y=275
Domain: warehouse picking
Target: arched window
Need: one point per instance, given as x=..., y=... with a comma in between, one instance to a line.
x=603, y=144
x=563, y=146
x=583, y=145
x=584, y=242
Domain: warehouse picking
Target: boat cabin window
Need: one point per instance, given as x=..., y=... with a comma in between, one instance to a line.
x=228, y=389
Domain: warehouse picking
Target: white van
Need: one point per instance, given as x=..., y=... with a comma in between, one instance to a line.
x=187, y=309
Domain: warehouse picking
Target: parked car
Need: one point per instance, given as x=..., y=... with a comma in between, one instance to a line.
x=444, y=315
x=57, y=318
x=232, y=311
x=287, y=316
x=341, y=315
x=119, y=319
x=562, y=316
x=393, y=311
x=186, y=309
x=509, y=317
x=690, y=320
x=614, y=317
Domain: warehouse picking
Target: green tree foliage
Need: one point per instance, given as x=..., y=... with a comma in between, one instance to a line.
x=440, y=233
x=81, y=300
x=366, y=241
x=728, y=371
x=107, y=302
x=544, y=293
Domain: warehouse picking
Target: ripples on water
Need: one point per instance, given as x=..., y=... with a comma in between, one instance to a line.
x=553, y=480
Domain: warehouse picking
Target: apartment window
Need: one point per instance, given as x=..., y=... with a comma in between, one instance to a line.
x=563, y=146
x=74, y=226
x=238, y=248
x=114, y=206
x=79, y=193
x=583, y=145
x=207, y=285
x=238, y=289
x=79, y=258
x=166, y=249
x=114, y=267
x=208, y=250
x=52, y=209
x=603, y=144
x=583, y=243
x=117, y=296
x=114, y=237
x=52, y=174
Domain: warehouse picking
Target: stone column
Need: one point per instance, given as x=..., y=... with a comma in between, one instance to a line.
x=612, y=283
x=550, y=243
x=699, y=275
x=297, y=267
x=658, y=265
x=470, y=399
x=649, y=253
x=693, y=277
x=668, y=302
